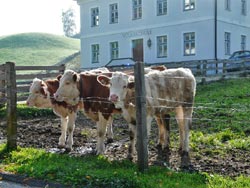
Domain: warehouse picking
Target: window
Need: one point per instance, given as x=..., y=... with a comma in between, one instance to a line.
x=243, y=42
x=162, y=46
x=94, y=17
x=189, y=43
x=95, y=53
x=114, y=50
x=227, y=43
x=137, y=9
x=113, y=10
x=244, y=7
x=189, y=4
x=228, y=5
x=161, y=7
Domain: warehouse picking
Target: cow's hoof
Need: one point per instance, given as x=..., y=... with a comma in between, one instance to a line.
x=185, y=160
x=68, y=149
x=61, y=146
x=110, y=140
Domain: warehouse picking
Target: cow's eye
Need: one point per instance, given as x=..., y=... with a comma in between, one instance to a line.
x=67, y=83
x=124, y=87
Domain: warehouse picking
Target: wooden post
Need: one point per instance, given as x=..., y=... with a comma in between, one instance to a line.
x=10, y=74
x=140, y=100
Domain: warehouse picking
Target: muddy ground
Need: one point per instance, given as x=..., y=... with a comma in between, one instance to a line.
x=44, y=133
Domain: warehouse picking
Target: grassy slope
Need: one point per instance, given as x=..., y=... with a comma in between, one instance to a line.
x=221, y=121
x=36, y=48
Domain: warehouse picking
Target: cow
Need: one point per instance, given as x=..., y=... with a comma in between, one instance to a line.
x=84, y=87
x=170, y=90
x=41, y=96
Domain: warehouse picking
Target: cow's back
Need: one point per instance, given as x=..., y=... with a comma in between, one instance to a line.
x=171, y=88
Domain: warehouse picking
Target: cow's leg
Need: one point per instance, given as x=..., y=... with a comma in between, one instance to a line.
x=101, y=132
x=110, y=134
x=183, y=119
x=71, y=128
x=163, y=139
x=62, y=138
x=132, y=137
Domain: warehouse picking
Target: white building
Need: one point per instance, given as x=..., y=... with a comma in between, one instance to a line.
x=160, y=31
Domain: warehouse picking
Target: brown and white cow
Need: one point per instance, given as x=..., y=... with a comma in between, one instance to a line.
x=84, y=87
x=171, y=90
x=41, y=96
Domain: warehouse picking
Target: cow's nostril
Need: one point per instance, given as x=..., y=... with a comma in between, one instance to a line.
x=114, y=98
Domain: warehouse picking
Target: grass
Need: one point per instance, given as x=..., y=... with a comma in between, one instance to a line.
x=93, y=171
x=36, y=48
x=221, y=125
x=28, y=112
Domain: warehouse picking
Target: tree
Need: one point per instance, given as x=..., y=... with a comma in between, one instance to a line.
x=68, y=20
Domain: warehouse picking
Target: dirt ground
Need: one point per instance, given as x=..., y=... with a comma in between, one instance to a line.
x=45, y=132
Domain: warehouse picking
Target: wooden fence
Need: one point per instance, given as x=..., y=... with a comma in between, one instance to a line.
x=14, y=85
x=203, y=70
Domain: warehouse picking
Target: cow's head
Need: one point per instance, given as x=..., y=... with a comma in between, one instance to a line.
x=119, y=85
x=68, y=90
x=39, y=95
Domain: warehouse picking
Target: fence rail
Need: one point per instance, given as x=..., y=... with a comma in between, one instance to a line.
x=14, y=86
x=202, y=69
x=24, y=77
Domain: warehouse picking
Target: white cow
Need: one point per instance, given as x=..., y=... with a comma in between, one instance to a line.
x=41, y=96
x=171, y=90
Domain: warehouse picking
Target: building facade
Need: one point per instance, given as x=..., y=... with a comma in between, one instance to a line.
x=161, y=31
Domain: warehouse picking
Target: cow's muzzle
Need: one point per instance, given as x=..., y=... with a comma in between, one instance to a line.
x=113, y=98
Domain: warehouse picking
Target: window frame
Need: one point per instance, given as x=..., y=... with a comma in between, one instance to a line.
x=95, y=53
x=189, y=5
x=95, y=17
x=162, y=46
x=243, y=40
x=114, y=50
x=113, y=13
x=190, y=43
x=244, y=7
x=227, y=43
x=164, y=7
x=136, y=9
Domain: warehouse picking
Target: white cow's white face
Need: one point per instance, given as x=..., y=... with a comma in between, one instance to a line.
x=68, y=90
x=39, y=95
x=119, y=88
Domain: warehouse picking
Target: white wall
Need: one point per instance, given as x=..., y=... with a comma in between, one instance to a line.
x=174, y=24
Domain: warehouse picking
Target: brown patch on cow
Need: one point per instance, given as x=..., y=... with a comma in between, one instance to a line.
x=52, y=86
x=95, y=96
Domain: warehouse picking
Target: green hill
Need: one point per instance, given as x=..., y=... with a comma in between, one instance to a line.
x=36, y=48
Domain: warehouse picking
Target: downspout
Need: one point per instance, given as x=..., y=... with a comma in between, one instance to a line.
x=215, y=30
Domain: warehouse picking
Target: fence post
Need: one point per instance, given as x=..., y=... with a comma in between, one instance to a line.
x=10, y=74
x=140, y=100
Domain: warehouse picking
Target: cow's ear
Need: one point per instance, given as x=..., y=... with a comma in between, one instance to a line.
x=131, y=85
x=131, y=82
x=59, y=77
x=75, y=77
x=103, y=80
x=43, y=89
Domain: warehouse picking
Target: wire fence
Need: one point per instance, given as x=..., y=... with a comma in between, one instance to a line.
x=197, y=107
